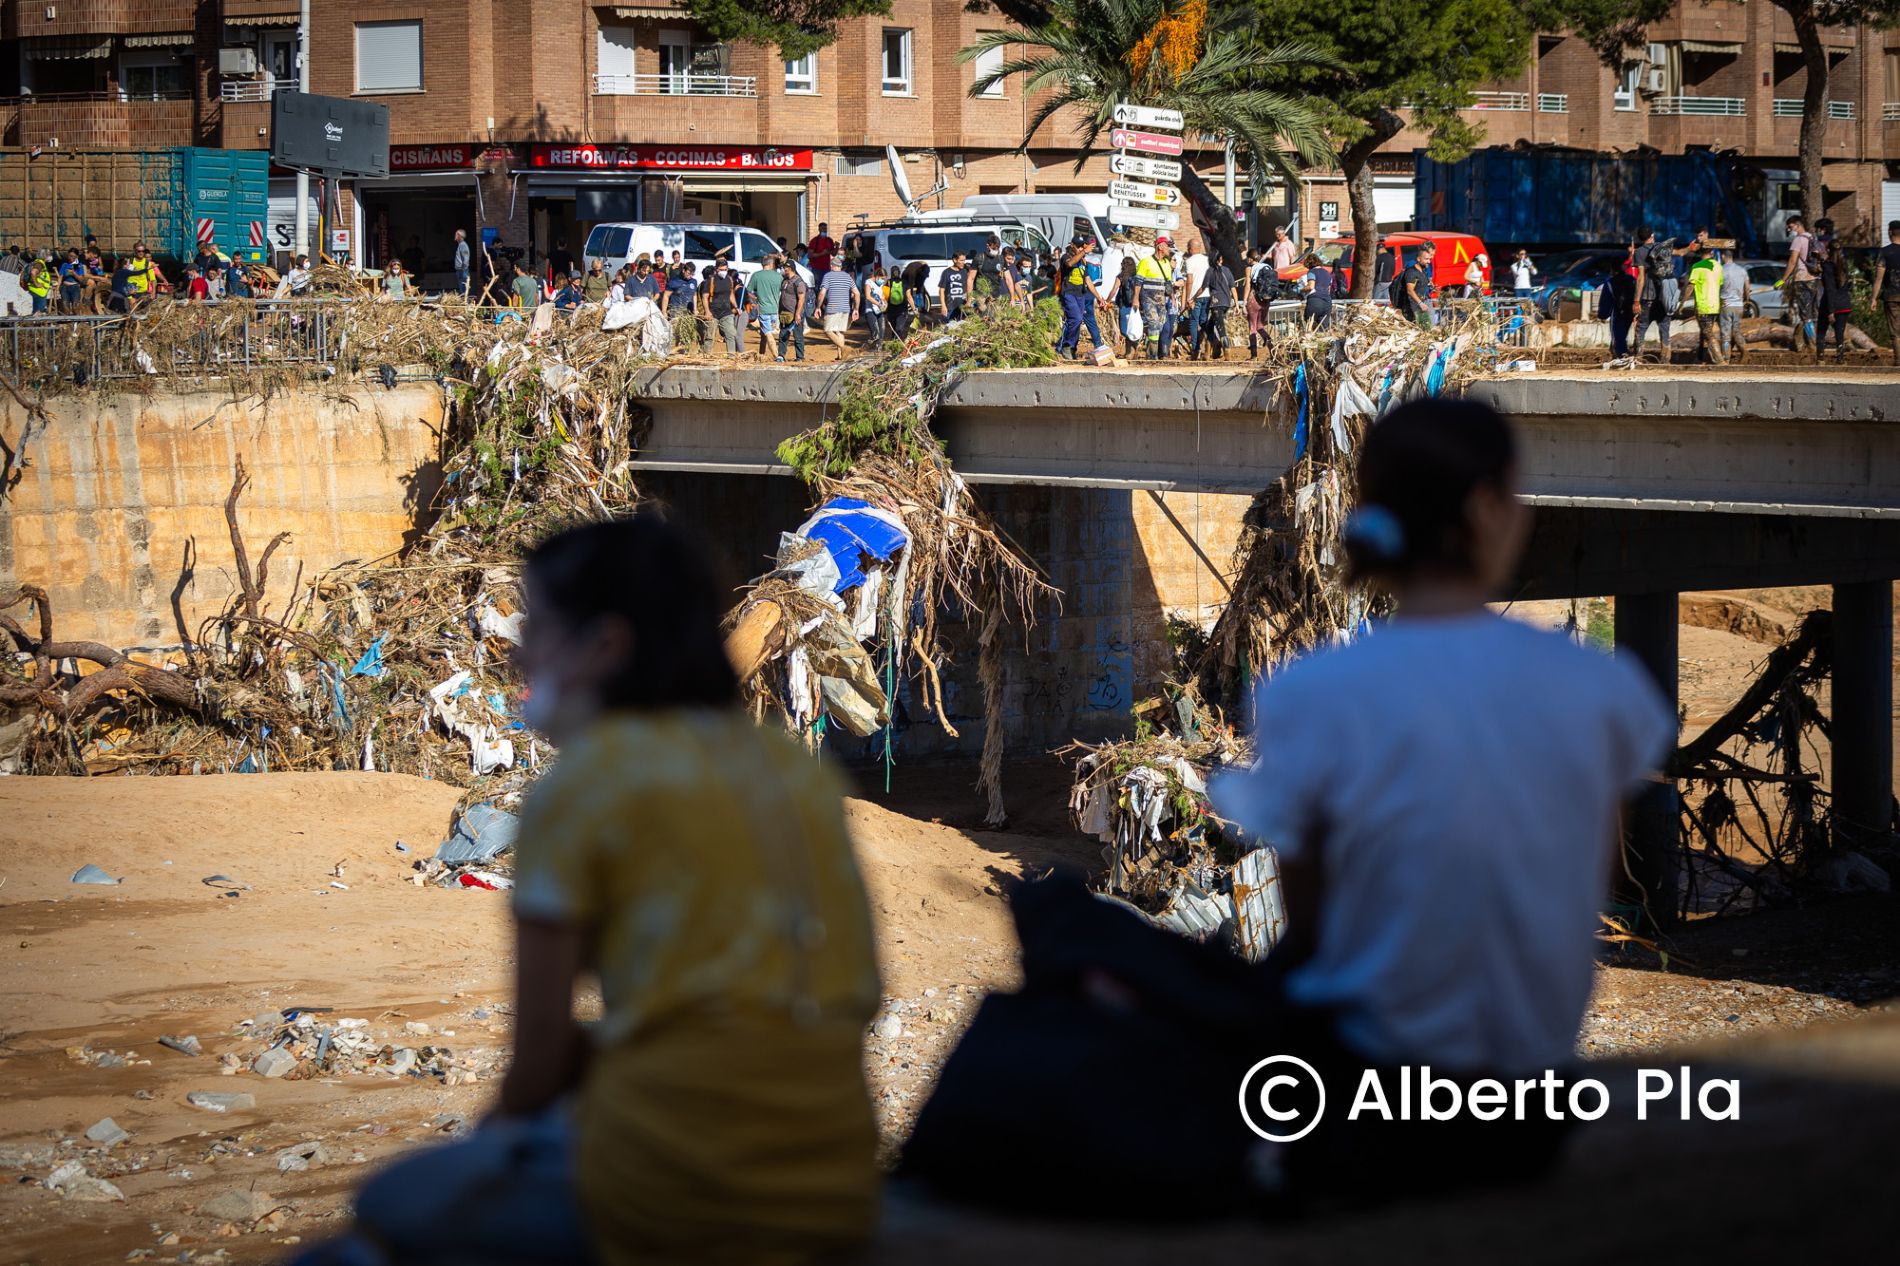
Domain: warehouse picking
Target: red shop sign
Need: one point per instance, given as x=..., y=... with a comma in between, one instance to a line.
x=671, y=157
x=431, y=157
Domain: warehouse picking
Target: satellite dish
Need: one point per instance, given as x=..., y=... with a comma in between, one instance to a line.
x=899, y=181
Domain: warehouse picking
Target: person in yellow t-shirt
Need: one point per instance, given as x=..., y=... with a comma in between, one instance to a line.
x=698, y=865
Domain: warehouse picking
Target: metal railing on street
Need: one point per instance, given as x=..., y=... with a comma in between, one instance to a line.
x=237, y=335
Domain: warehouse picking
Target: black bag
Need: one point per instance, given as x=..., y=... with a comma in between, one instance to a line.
x=1059, y=1103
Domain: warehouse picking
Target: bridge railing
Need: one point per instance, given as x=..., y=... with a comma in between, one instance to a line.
x=232, y=336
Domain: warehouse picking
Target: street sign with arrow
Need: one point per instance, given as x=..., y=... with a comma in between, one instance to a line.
x=1148, y=116
x=1144, y=168
x=1146, y=142
x=1140, y=194
x=1147, y=217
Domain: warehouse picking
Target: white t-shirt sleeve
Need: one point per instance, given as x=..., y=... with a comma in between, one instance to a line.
x=1283, y=796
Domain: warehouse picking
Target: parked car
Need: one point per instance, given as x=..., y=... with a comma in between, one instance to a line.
x=936, y=241
x=701, y=245
x=1455, y=253
x=1586, y=273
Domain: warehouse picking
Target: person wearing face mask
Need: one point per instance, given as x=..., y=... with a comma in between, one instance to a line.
x=696, y=864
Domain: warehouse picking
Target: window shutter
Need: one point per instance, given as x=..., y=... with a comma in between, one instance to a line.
x=388, y=56
x=614, y=53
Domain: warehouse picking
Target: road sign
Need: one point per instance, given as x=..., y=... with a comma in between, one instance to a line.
x=1149, y=116
x=1146, y=142
x=1144, y=195
x=1148, y=217
x=1144, y=168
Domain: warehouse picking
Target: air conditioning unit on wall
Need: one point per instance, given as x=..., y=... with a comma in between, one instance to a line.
x=1653, y=81
x=237, y=61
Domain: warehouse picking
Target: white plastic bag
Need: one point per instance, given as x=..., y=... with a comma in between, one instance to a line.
x=1131, y=324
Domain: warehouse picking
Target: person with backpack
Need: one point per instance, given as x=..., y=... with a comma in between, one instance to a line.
x=897, y=304
x=1836, y=303
x=916, y=273
x=1262, y=282
x=1318, y=285
x=794, y=297
x=1218, y=285
x=1126, y=296
x=719, y=300
x=1415, y=292
x=1798, y=281
x=1655, y=264
x=873, y=305
x=1385, y=268
x=1616, y=303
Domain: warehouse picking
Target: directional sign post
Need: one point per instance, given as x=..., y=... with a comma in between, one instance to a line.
x=1144, y=168
x=1146, y=142
x=1146, y=217
x=1148, y=116
x=1139, y=194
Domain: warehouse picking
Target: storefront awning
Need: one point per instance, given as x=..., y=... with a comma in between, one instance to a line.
x=742, y=182
x=1706, y=46
x=166, y=39
x=68, y=48
x=1835, y=53
x=462, y=179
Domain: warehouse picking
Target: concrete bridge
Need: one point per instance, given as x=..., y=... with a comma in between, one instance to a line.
x=1647, y=484
x=1127, y=486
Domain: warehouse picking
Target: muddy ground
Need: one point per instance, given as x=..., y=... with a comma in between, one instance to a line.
x=326, y=918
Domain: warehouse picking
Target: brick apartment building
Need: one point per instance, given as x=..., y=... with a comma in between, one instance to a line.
x=531, y=119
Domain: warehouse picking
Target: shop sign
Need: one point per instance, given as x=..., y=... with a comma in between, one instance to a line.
x=670, y=157
x=431, y=157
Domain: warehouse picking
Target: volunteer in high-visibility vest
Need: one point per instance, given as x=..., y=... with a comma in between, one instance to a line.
x=1078, y=300
x=1155, y=275
x=38, y=283
x=143, y=279
x=1705, y=280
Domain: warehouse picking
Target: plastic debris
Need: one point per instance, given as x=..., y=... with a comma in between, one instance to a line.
x=225, y=881
x=220, y=1101
x=187, y=1045
x=481, y=834
x=90, y=874
x=484, y=880
x=107, y=1133
x=370, y=664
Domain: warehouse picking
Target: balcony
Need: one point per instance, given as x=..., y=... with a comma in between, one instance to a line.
x=1553, y=103
x=1792, y=108
x=1890, y=113
x=676, y=86
x=1500, y=101
x=109, y=120
x=1700, y=107
x=253, y=89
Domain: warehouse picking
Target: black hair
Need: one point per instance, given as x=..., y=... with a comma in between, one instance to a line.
x=654, y=575
x=1418, y=466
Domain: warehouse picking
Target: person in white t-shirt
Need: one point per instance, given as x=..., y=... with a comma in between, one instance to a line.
x=1193, y=294
x=1443, y=792
x=1523, y=275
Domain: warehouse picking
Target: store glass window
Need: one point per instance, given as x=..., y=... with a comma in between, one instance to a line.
x=389, y=56
x=896, y=61
x=801, y=76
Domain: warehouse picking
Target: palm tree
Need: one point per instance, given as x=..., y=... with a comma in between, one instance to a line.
x=1093, y=54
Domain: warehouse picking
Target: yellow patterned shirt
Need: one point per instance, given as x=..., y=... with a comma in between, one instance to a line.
x=724, y=1116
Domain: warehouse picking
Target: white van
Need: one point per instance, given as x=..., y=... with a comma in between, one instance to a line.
x=1059, y=217
x=701, y=245
x=936, y=242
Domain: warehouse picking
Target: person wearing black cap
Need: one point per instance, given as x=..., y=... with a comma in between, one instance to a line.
x=1078, y=296
x=989, y=274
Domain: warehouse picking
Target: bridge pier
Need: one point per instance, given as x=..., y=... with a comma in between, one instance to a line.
x=1646, y=628
x=1863, y=711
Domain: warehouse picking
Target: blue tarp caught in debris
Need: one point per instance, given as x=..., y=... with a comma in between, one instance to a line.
x=850, y=529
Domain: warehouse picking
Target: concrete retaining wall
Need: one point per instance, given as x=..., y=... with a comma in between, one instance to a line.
x=119, y=511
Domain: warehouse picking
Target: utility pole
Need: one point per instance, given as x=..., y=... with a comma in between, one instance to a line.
x=303, y=85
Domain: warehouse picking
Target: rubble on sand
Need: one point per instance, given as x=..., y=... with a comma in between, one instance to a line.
x=1166, y=854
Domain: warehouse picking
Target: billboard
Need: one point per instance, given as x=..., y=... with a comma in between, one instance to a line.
x=329, y=136
x=670, y=157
